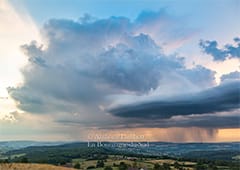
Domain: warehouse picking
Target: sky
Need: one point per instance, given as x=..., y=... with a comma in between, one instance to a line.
x=167, y=70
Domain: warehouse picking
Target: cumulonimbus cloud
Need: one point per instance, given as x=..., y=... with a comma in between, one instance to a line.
x=89, y=64
x=84, y=62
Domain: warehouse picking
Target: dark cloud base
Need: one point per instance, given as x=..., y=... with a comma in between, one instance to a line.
x=225, y=97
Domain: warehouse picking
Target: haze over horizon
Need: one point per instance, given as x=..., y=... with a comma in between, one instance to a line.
x=165, y=70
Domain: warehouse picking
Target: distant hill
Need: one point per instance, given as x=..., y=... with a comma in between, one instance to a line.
x=13, y=145
x=57, y=154
x=226, y=151
x=54, y=153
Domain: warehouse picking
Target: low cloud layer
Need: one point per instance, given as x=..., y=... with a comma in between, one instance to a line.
x=233, y=76
x=221, y=98
x=221, y=54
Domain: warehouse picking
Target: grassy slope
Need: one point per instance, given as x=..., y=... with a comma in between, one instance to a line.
x=146, y=164
x=28, y=166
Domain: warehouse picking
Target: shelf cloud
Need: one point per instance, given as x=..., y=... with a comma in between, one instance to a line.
x=225, y=97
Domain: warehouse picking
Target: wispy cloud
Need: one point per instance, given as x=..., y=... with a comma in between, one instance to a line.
x=15, y=29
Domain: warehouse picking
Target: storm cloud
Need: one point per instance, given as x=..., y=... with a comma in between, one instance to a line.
x=91, y=67
x=83, y=62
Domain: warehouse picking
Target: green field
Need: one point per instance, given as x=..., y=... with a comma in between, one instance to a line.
x=114, y=161
x=132, y=162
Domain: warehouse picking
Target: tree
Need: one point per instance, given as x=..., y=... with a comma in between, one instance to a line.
x=6, y=161
x=77, y=166
x=200, y=166
x=166, y=166
x=100, y=164
x=158, y=167
x=108, y=168
x=211, y=166
x=24, y=160
x=176, y=165
x=91, y=167
x=122, y=166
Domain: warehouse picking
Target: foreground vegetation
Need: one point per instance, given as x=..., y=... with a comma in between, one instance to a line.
x=118, y=162
x=24, y=166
